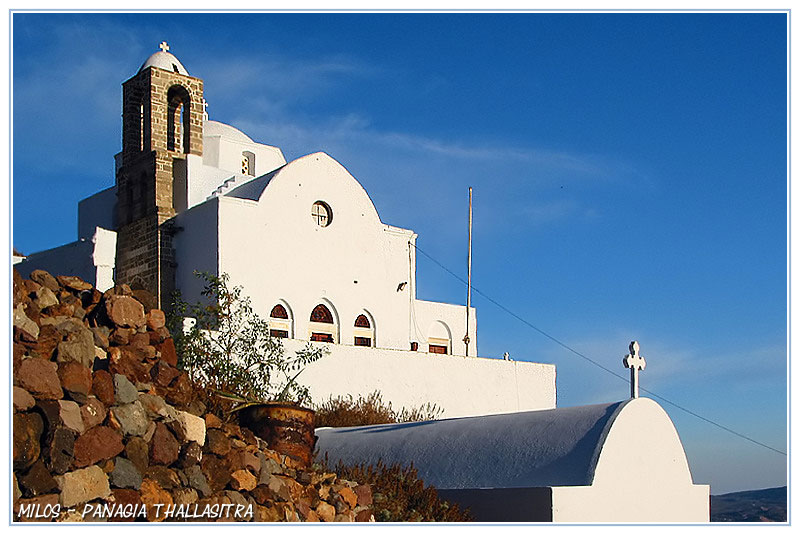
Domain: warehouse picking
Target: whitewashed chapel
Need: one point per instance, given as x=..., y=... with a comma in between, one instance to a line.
x=306, y=243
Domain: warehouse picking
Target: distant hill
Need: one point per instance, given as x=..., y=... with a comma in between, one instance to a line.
x=765, y=505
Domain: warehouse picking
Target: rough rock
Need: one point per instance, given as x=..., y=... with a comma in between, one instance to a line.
x=27, y=328
x=156, y=407
x=217, y=471
x=45, y=297
x=37, y=481
x=142, y=424
x=364, y=494
x=73, y=283
x=46, y=502
x=194, y=427
x=22, y=399
x=103, y=387
x=93, y=413
x=153, y=494
x=70, y=414
x=163, y=374
x=168, y=353
x=82, y=486
x=127, y=361
x=191, y=454
x=78, y=346
x=365, y=515
x=45, y=279
x=349, y=496
x=125, y=311
x=212, y=421
x=132, y=418
x=184, y=496
x=164, y=448
x=197, y=480
x=126, y=497
x=251, y=462
x=100, y=337
x=165, y=477
x=121, y=336
x=156, y=319
x=40, y=378
x=97, y=444
x=325, y=512
x=124, y=391
x=27, y=430
x=125, y=474
x=243, y=480
x=217, y=442
x=49, y=338
x=76, y=379
x=59, y=450
x=137, y=450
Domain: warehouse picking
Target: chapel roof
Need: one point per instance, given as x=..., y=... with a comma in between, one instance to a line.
x=556, y=447
x=164, y=60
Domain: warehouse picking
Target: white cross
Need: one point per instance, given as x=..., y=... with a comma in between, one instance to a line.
x=635, y=362
x=205, y=109
x=164, y=46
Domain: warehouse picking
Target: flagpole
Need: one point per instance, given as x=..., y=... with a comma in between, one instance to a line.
x=469, y=274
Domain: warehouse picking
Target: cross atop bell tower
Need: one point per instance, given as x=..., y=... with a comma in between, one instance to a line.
x=162, y=128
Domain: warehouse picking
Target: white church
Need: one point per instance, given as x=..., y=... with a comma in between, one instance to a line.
x=191, y=194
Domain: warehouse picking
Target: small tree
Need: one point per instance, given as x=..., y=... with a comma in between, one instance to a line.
x=229, y=350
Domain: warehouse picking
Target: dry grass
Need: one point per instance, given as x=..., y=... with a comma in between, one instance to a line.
x=344, y=411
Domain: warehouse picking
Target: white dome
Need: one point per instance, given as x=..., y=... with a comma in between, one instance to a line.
x=215, y=128
x=164, y=60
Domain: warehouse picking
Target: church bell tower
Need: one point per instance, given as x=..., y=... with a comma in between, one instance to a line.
x=162, y=128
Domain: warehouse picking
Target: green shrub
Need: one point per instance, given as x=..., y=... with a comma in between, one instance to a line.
x=228, y=348
x=371, y=410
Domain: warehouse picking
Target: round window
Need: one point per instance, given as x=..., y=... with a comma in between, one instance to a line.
x=321, y=213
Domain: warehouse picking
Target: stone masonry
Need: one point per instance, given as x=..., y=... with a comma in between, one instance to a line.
x=162, y=121
x=107, y=428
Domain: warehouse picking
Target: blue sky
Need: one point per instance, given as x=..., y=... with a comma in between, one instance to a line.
x=629, y=175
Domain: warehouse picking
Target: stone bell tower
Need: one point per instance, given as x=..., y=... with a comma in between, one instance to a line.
x=162, y=127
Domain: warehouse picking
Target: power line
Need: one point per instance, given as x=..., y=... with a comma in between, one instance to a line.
x=592, y=361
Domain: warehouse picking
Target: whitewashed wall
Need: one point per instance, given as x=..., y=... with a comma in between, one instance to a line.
x=90, y=259
x=642, y=475
x=462, y=386
x=274, y=249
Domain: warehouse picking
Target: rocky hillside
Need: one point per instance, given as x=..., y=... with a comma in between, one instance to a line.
x=766, y=505
x=106, y=428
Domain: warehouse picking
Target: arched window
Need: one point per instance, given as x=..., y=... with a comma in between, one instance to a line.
x=248, y=163
x=178, y=113
x=279, y=312
x=321, y=314
x=363, y=334
x=439, y=339
x=322, y=327
x=280, y=324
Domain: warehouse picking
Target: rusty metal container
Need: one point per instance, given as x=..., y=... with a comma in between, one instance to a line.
x=286, y=428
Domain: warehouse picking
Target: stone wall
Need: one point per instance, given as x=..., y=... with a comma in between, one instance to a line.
x=106, y=428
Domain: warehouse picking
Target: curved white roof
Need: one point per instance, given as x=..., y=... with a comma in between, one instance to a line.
x=215, y=128
x=164, y=60
x=526, y=449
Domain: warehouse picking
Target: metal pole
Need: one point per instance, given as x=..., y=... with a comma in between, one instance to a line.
x=469, y=273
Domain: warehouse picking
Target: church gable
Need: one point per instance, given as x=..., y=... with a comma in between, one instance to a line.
x=294, y=189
